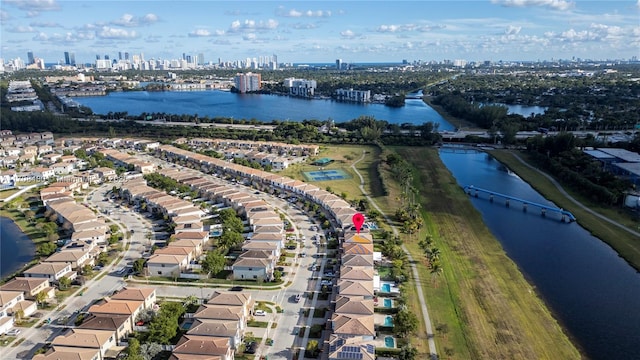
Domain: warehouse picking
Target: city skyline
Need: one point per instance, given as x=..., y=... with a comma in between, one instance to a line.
x=296, y=31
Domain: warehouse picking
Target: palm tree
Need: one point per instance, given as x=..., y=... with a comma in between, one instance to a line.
x=436, y=271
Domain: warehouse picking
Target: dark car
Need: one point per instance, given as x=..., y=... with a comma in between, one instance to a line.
x=251, y=347
x=236, y=288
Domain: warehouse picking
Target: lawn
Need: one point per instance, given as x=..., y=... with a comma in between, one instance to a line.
x=344, y=156
x=482, y=305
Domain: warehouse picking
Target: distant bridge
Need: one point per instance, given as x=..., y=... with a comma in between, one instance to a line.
x=564, y=214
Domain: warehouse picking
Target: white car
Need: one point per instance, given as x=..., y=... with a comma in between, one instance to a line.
x=326, y=282
x=13, y=332
x=259, y=313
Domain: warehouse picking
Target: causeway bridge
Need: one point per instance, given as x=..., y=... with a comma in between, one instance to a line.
x=565, y=216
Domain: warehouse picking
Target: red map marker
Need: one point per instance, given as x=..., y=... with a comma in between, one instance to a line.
x=358, y=220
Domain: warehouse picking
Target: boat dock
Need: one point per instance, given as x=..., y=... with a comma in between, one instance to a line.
x=564, y=214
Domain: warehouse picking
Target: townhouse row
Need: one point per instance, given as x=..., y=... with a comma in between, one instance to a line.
x=104, y=329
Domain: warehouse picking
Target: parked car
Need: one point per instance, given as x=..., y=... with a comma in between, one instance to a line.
x=298, y=298
x=236, y=288
x=326, y=282
x=259, y=313
x=13, y=332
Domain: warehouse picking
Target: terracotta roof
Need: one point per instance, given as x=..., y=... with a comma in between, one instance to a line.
x=353, y=324
x=137, y=294
x=117, y=307
x=68, y=353
x=354, y=305
x=222, y=312
x=84, y=338
x=100, y=322
x=202, y=345
x=23, y=284
x=210, y=327
x=229, y=298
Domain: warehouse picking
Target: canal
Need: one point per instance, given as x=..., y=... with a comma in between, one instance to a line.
x=593, y=292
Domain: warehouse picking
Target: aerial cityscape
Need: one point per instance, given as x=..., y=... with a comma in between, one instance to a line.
x=218, y=180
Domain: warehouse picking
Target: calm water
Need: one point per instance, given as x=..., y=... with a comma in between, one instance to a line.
x=16, y=249
x=592, y=291
x=260, y=107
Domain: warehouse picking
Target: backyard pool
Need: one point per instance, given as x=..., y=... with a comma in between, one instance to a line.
x=387, y=303
x=388, y=321
x=386, y=287
x=389, y=342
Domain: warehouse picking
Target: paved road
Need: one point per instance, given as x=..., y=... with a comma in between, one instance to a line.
x=414, y=269
x=573, y=200
x=98, y=287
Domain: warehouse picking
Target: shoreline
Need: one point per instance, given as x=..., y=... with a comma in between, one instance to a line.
x=620, y=240
x=34, y=257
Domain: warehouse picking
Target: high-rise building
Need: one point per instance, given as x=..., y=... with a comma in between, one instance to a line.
x=247, y=82
x=201, y=59
x=126, y=56
x=339, y=64
x=106, y=57
x=30, y=58
x=69, y=58
x=119, y=55
x=97, y=56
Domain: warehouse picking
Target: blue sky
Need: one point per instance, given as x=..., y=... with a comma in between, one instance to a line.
x=307, y=31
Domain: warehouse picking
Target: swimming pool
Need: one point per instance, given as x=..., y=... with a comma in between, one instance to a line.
x=386, y=287
x=387, y=303
x=389, y=342
x=388, y=321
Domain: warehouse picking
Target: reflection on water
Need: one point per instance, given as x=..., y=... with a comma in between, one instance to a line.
x=591, y=290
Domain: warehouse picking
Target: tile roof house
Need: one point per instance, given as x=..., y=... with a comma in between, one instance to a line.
x=204, y=345
x=342, y=348
x=108, y=307
x=100, y=340
x=146, y=295
x=353, y=325
x=51, y=271
x=69, y=353
x=120, y=325
x=232, y=299
x=29, y=286
x=222, y=312
x=220, y=328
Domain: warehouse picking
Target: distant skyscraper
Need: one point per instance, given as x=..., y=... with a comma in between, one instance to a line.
x=247, y=82
x=339, y=64
x=201, y=59
x=30, y=58
x=119, y=55
x=97, y=56
x=106, y=57
x=69, y=58
x=126, y=56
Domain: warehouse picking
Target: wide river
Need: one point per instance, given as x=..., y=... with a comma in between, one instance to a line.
x=590, y=289
x=266, y=108
x=16, y=249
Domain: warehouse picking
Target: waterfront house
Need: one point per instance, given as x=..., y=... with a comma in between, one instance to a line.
x=51, y=271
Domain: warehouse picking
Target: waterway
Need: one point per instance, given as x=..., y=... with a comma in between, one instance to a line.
x=265, y=108
x=593, y=292
x=16, y=248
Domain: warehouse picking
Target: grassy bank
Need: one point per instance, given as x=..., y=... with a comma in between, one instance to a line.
x=625, y=243
x=481, y=305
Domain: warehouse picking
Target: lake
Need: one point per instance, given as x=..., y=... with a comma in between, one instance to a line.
x=265, y=108
x=593, y=292
x=16, y=248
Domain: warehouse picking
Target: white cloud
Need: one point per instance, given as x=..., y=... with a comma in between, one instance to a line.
x=303, y=26
x=129, y=20
x=22, y=29
x=149, y=18
x=4, y=16
x=512, y=30
x=252, y=25
x=407, y=27
x=302, y=13
x=34, y=5
x=200, y=33
x=553, y=4
x=249, y=37
x=45, y=24
x=348, y=34
x=114, y=33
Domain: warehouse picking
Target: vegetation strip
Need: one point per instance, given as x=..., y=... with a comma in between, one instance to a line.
x=483, y=307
